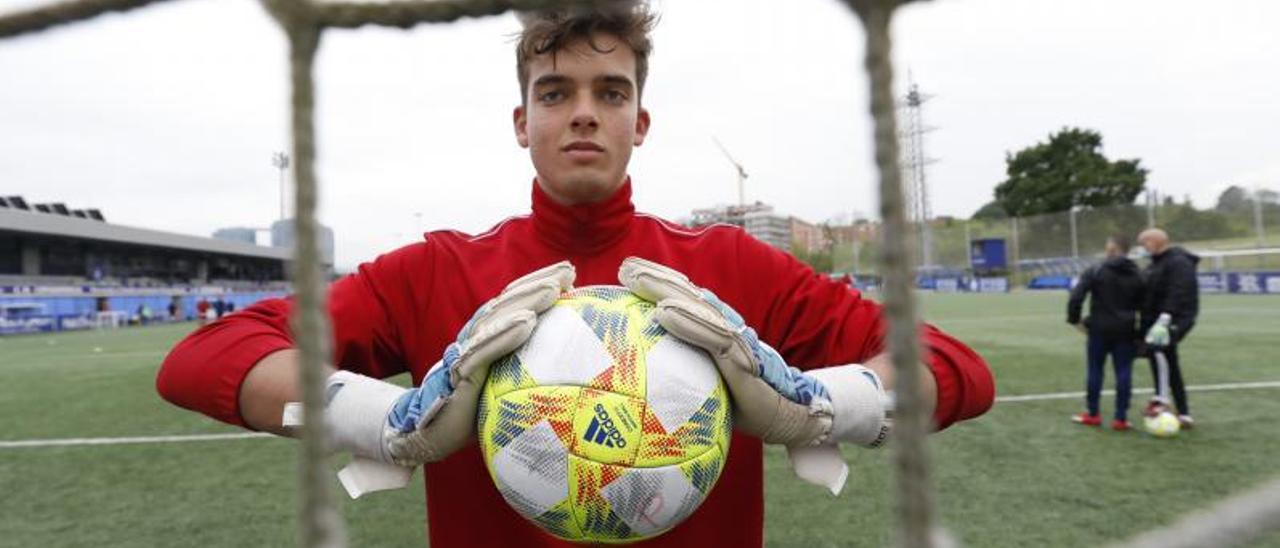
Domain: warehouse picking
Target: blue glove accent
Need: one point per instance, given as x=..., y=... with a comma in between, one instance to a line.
x=792, y=383
x=412, y=405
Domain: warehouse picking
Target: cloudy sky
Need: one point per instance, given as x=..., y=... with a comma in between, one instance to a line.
x=167, y=117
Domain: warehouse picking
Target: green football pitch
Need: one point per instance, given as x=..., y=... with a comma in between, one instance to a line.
x=1021, y=475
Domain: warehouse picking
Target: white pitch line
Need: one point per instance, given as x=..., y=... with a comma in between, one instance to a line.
x=63, y=442
x=70, y=442
x=1198, y=388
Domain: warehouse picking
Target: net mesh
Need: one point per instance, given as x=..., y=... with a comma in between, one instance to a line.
x=1231, y=522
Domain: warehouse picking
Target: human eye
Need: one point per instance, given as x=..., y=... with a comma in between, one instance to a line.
x=614, y=96
x=551, y=96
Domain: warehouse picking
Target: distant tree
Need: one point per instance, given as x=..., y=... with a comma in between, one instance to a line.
x=820, y=260
x=1067, y=171
x=990, y=211
x=1187, y=224
x=1234, y=200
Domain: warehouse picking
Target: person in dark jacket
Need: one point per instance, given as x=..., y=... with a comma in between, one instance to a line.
x=1115, y=292
x=1169, y=311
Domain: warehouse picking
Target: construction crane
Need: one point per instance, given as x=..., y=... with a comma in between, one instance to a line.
x=742, y=173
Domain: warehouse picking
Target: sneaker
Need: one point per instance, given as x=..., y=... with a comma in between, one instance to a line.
x=1186, y=422
x=1120, y=425
x=1087, y=419
x=1154, y=407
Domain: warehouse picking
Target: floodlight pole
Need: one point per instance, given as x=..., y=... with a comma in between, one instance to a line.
x=968, y=246
x=1152, y=201
x=1257, y=217
x=281, y=161
x=857, y=244
x=1075, y=241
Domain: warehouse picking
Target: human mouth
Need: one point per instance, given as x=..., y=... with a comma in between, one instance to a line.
x=583, y=150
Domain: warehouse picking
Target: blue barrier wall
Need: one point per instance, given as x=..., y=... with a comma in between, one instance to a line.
x=963, y=284
x=1255, y=283
x=1246, y=283
x=39, y=313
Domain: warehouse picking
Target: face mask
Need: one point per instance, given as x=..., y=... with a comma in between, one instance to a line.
x=1141, y=253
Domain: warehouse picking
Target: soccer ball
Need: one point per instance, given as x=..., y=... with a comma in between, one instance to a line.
x=603, y=427
x=1162, y=425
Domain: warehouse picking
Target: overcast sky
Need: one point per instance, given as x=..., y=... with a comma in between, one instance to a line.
x=167, y=117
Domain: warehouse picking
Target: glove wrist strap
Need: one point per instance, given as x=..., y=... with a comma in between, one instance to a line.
x=858, y=404
x=357, y=413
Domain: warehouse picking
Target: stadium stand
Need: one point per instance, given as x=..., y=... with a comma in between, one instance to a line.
x=64, y=268
x=46, y=243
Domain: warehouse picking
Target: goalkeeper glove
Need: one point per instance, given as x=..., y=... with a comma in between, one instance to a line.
x=392, y=430
x=1158, y=335
x=777, y=403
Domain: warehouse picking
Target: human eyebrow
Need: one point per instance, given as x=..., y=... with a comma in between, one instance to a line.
x=550, y=80
x=616, y=80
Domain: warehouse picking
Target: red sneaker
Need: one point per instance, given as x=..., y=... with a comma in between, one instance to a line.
x=1120, y=425
x=1087, y=419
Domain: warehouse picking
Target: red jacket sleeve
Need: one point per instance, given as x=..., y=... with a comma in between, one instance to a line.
x=818, y=322
x=205, y=370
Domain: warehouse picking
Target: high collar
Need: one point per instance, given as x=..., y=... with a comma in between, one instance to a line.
x=582, y=228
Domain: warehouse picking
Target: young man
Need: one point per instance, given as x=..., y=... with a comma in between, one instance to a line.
x=1114, y=288
x=581, y=77
x=1169, y=312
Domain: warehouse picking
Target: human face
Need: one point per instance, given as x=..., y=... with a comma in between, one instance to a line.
x=1151, y=244
x=1111, y=249
x=581, y=118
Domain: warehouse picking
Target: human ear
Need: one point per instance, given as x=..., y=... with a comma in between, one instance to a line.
x=520, y=119
x=642, y=126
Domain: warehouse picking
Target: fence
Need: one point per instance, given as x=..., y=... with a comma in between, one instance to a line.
x=304, y=21
x=1244, y=239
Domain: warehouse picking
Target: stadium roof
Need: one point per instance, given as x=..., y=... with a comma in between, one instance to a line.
x=45, y=224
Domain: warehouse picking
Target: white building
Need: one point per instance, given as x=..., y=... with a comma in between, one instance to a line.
x=282, y=236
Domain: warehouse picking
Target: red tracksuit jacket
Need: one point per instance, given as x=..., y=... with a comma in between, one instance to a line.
x=400, y=311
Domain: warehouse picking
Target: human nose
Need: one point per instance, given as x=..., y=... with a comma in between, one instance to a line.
x=584, y=114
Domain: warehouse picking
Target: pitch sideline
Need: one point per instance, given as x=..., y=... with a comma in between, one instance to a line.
x=1109, y=392
x=73, y=442
x=66, y=442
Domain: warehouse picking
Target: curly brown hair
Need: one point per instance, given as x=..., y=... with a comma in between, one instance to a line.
x=630, y=21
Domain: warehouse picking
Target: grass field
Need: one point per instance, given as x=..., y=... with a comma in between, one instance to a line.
x=1019, y=476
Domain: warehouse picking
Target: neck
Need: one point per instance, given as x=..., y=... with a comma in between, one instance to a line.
x=587, y=198
x=582, y=227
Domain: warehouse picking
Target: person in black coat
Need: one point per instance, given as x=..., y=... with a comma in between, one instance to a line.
x=1115, y=291
x=1169, y=310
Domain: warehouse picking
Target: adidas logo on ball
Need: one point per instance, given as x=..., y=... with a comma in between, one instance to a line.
x=602, y=431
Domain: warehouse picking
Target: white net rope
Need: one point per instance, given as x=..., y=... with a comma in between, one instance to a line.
x=1228, y=523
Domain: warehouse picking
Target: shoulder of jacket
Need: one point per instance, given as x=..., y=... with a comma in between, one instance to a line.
x=681, y=231
x=451, y=235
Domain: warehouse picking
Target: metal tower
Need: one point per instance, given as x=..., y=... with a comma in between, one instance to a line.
x=914, y=162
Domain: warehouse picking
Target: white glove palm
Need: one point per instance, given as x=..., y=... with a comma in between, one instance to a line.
x=392, y=430
x=777, y=403
x=1158, y=336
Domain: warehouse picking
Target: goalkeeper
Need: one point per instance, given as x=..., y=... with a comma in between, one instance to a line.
x=1169, y=312
x=444, y=307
